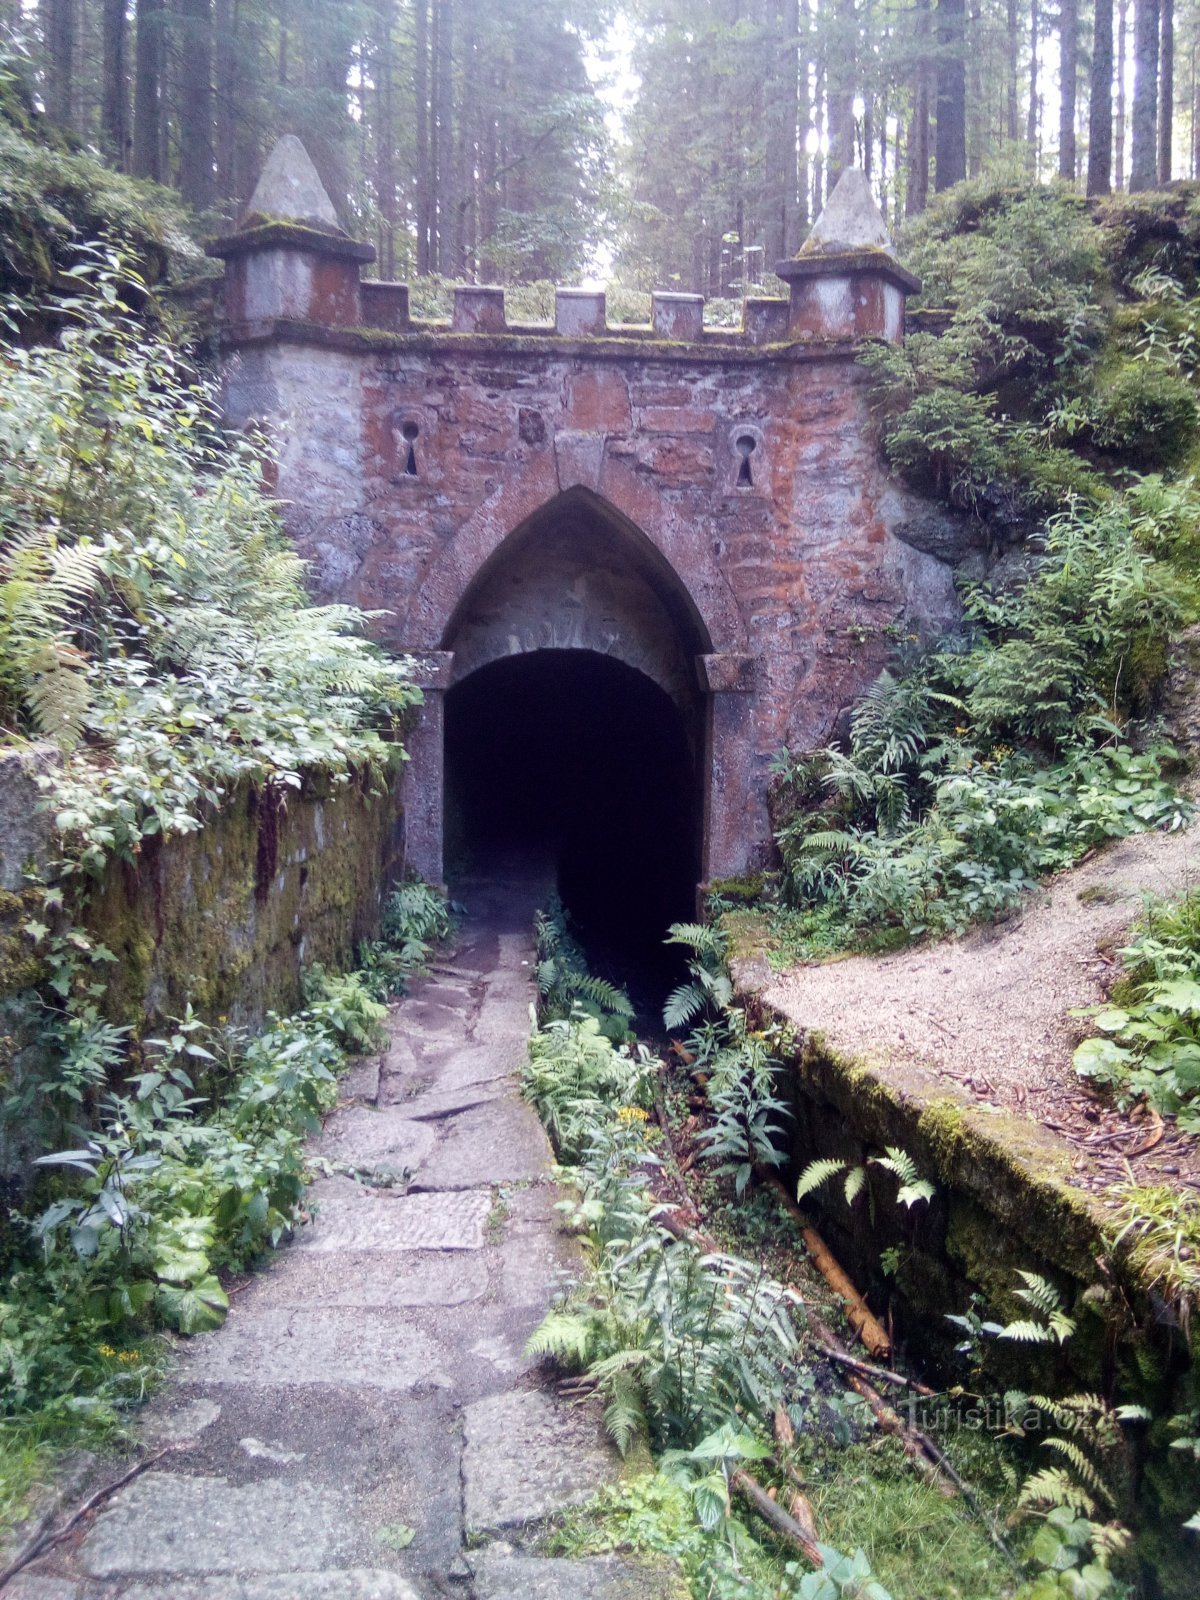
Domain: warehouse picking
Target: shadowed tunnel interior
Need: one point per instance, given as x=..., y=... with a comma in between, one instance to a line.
x=573, y=756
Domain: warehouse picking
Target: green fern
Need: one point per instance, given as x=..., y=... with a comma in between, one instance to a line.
x=1050, y=1487
x=1086, y=1471
x=565, y=1337
x=816, y=1174
x=1055, y=1328
x=901, y=1165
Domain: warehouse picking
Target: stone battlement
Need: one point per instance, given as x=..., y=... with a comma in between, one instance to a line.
x=702, y=508
x=289, y=261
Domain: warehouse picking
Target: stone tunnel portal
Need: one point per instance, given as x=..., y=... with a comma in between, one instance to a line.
x=575, y=728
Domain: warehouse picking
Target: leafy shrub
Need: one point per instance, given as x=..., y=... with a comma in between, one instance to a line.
x=152, y=618
x=415, y=918
x=739, y=1069
x=566, y=988
x=1146, y=415
x=973, y=769
x=576, y=1075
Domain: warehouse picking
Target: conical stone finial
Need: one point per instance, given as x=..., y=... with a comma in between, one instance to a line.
x=290, y=188
x=850, y=221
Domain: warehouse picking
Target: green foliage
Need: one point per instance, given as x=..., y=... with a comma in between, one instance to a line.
x=415, y=919
x=1070, y=1552
x=576, y=1075
x=1145, y=415
x=1148, y=1048
x=1015, y=270
x=1161, y=1226
x=152, y=619
x=343, y=1002
x=912, y=1187
x=55, y=199
x=1051, y=1325
x=740, y=1072
x=165, y=1191
x=566, y=988
x=973, y=769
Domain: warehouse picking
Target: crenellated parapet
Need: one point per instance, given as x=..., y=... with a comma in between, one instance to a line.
x=290, y=262
x=704, y=505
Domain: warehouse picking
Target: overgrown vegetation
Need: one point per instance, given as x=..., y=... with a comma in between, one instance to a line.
x=566, y=988
x=980, y=763
x=185, y=1173
x=154, y=627
x=56, y=198
x=698, y=1355
x=1148, y=1046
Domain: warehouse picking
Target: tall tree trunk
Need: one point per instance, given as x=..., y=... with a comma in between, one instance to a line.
x=436, y=263
x=442, y=125
x=1068, y=73
x=1166, y=89
x=59, y=20
x=1143, y=171
x=951, y=155
x=464, y=167
x=1012, y=69
x=803, y=121
x=1195, y=117
x=424, y=185
x=917, y=191
x=1100, y=102
x=114, y=95
x=150, y=59
x=977, y=140
x=840, y=91
x=1122, y=123
x=385, y=136
x=196, y=102
x=1034, y=120
x=228, y=46
x=782, y=89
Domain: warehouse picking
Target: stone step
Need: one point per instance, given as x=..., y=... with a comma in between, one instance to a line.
x=343, y=1346
x=351, y=1219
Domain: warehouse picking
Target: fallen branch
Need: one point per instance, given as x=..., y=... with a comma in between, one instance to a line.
x=783, y=1523
x=866, y=1369
x=858, y=1312
x=48, y=1538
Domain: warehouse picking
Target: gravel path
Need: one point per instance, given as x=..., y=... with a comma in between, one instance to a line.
x=366, y=1425
x=991, y=1012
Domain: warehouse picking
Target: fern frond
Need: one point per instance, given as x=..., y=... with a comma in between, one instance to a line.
x=1039, y=1293
x=913, y=1186
x=563, y=1335
x=855, y=1179
x=815, y=1174
x=683, y=1005
x=1026, y=1332
x=1086, y=1470
x=1053, y=1487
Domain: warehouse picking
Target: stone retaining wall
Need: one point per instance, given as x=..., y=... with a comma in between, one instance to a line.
x=226, y=917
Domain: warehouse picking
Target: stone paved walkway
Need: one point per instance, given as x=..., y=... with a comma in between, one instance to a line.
x=366, y=1425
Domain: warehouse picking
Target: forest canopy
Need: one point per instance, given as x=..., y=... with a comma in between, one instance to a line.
x=688, y=143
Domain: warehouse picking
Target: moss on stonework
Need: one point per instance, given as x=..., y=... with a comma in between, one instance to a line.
x=21, y=967
x=193, y=922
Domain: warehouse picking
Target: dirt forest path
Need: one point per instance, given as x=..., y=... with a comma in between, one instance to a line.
x=366, y=1425
x=991, y=1013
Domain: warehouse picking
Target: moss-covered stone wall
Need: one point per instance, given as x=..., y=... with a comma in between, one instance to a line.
x=228, y=917
x=1003, y=1202
x=225, y=918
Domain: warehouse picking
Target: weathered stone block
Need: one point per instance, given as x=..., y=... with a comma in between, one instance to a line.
x=579, y=313
x=677, y=316
x=478, y=308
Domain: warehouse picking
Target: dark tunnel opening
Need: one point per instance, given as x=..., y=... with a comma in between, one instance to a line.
x=573, y=758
